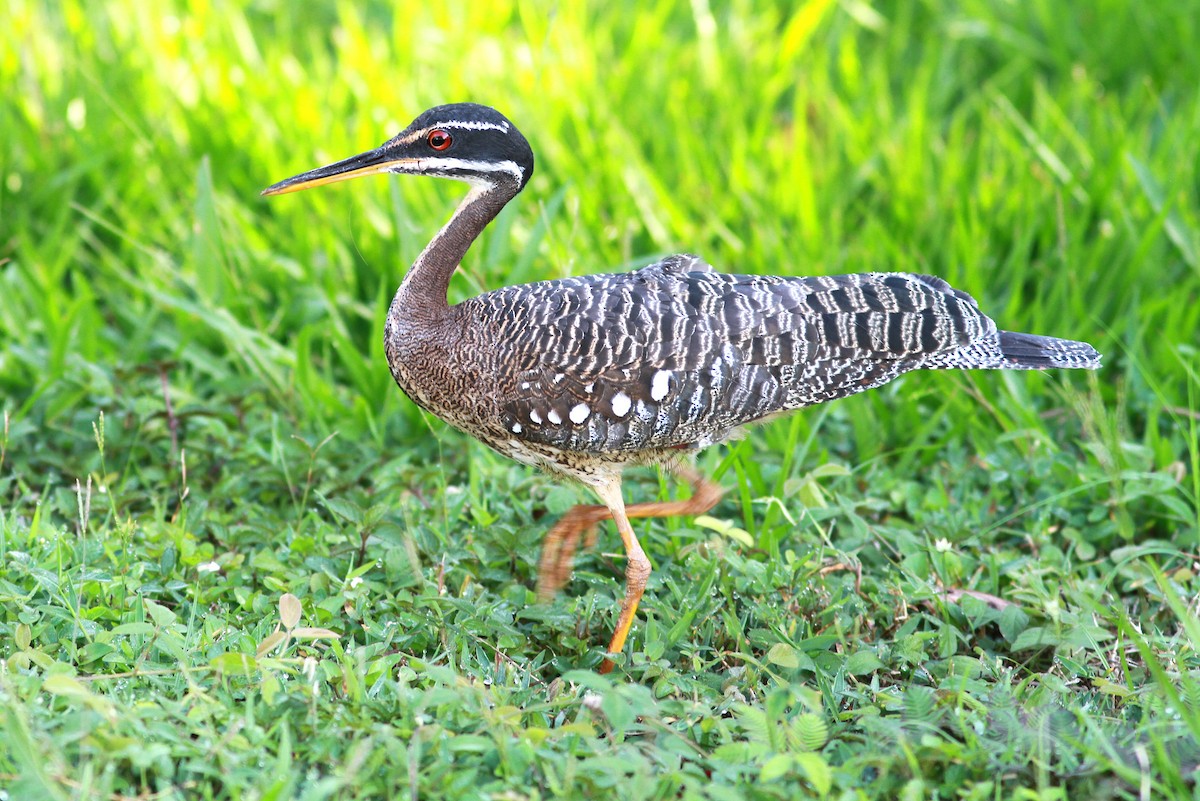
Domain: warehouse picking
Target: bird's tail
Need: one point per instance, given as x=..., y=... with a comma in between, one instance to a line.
x=1033, y=352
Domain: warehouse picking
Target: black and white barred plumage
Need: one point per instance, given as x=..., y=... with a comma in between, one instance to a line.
x=676, y=354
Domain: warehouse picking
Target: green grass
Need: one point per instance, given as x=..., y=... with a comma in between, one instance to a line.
x=198, y=423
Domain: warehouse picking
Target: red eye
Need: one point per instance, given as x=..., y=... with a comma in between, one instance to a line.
x=439, y=139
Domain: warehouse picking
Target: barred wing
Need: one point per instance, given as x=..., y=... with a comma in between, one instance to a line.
x=676, y=354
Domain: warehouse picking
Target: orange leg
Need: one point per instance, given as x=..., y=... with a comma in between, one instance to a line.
x=559, y=550
x=637, y=571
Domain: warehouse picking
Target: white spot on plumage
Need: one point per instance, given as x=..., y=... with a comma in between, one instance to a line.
x=555, y=417
x=590, y=388
x=558, y=377
x=579, y=413
x=621, y=404
x=660, y=384
x=524, y=385
x=535, y=417
x=516, y=428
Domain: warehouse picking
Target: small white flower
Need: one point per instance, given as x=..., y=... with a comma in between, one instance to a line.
x=208, y=567
x=309, y=668
x=354, y=582
x=943, y=545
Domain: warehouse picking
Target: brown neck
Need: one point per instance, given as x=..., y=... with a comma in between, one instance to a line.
x=421, y=297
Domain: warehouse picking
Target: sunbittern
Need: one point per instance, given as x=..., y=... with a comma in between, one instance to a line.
x=585, y=376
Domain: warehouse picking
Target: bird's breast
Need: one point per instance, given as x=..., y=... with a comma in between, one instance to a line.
x=447, y=371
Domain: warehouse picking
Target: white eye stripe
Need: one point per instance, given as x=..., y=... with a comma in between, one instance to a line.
x=510, y=167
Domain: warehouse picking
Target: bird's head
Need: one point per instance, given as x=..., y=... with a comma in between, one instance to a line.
x=464, y=141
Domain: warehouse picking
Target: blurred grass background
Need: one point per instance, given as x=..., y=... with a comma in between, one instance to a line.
x=198, y=417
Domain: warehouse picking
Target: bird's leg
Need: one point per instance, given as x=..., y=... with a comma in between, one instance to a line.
x=558, y=552
x=637, y=567
x=705, y=495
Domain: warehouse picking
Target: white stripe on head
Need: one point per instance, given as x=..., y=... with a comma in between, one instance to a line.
x=472, y=126
x=461, y=125
x=510, y=167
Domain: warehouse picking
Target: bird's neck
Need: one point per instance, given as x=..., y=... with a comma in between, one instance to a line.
x=421, y=298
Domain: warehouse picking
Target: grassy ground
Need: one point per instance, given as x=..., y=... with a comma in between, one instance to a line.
x=202, y=446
